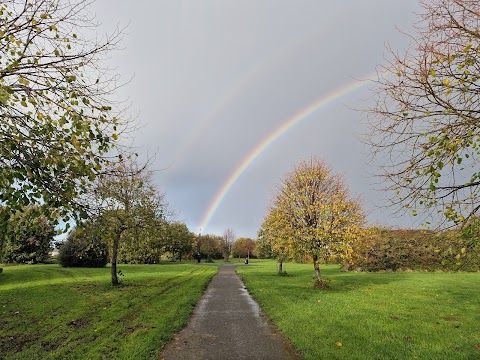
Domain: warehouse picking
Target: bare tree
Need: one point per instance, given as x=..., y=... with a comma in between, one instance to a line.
x=228, y=238
x=425, y=122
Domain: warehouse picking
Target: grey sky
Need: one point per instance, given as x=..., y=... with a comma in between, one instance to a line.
x=211, y=79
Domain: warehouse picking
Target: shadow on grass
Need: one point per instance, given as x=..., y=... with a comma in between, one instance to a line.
x=302, y=276
x=352, y=281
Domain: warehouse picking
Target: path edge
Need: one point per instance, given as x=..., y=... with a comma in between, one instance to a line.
x=168, y=341
x=291, y=349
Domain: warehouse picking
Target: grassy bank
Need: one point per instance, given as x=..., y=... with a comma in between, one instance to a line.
x=63, y=313
x=413, y=315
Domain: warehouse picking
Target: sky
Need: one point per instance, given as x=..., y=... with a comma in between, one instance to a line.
x=231, y=95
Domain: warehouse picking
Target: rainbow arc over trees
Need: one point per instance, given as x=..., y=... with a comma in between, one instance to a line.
x=273, y=136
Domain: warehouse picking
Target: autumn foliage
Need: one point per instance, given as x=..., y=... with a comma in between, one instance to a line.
x=405, y=249
x=313, y=214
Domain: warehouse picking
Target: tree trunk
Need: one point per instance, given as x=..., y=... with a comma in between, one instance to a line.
x=318, y=276
x=280, y=266
x=116, y=240
x=180, y=256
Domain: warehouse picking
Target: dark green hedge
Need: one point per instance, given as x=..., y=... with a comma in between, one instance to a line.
x=83, y=248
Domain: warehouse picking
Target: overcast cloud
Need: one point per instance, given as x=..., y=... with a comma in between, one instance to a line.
x=211, y=79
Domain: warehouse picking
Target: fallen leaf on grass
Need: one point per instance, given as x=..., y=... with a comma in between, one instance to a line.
x=338, y=343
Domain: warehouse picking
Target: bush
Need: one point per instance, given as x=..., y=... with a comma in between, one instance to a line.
x=83, y=248
x=26, y=237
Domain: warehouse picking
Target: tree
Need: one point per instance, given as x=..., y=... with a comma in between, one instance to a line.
x=27, y=236
x=243, y=247
x=314, y=213
x=228, y=238
x=277, y=235
x=143, y=245
x=210, y=246
x=178, y=239
x=263, y=246
x=125, y=200
x=425, y=120
x=58, y=127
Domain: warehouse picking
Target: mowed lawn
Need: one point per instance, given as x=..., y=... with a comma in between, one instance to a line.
x=49, y=312
x=409, y=315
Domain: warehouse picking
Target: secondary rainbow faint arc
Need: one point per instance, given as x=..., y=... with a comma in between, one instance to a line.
x=269, y=139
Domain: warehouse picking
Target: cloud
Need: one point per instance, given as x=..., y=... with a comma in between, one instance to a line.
x=212, y=79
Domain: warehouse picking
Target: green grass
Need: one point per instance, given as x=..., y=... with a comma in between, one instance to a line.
x=410, y=315
x=49, y=312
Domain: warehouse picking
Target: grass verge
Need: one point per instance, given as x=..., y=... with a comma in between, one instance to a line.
x=410, y=315
x=73, y=313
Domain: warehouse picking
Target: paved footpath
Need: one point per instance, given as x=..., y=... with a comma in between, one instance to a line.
x=228, y=324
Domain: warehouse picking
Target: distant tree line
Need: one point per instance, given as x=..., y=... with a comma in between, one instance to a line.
x=90, y=246
x=27, y=237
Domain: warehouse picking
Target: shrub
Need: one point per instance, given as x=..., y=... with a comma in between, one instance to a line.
x=83, y=248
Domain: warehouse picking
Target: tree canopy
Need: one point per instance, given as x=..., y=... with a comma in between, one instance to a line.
x=243, y=247
x=58, y=127
x=26, y=236
x=425, y=120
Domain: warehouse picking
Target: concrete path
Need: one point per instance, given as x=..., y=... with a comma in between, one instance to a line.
x=228, y=324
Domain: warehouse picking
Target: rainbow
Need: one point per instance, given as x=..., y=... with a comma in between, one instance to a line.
x=233, y=93
x=268, y=140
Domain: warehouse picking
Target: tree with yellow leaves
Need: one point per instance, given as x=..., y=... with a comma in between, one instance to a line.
x=314, y=214
x=275, y=233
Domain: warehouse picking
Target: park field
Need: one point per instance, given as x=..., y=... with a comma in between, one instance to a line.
x=407, y=315
x=49, y=312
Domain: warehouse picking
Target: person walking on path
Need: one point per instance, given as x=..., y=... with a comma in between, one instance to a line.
x=228, y=324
